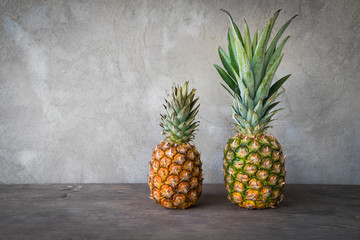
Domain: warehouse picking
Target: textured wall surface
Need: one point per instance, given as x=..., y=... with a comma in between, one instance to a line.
x=82, y=86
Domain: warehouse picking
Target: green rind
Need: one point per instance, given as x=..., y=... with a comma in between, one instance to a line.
x=254, y=196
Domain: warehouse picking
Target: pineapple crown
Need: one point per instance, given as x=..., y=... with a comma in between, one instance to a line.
x=179, y=123
x=250, y=69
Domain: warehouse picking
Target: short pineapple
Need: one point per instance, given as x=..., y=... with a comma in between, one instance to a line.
x=254, y=164
x=175, y=178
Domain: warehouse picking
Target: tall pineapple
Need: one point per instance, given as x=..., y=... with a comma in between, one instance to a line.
x=175, y=178
x=254, y=164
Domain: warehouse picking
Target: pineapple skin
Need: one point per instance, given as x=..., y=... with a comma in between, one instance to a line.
x=175, y=178
x=254, y=171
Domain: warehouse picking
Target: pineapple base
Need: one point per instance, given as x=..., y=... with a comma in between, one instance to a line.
x=175, y=178
x=254, y=171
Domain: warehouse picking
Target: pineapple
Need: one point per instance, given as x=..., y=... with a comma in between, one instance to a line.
x=254, y=163
x=175, y=178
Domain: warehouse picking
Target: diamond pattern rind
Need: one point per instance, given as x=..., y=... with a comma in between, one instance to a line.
x=254, y=171
x=175, y=178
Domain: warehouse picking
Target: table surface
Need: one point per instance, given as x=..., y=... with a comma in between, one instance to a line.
x=124, y=211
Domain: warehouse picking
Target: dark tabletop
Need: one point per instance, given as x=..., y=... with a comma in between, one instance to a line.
x=124, y=211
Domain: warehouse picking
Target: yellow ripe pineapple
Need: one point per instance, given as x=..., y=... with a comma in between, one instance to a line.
x=254, y=164
x=175, y=178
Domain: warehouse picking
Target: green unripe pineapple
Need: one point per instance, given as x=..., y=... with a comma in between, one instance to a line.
x=254, y=164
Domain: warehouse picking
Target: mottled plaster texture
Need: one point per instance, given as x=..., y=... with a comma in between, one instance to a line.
x=82, y=86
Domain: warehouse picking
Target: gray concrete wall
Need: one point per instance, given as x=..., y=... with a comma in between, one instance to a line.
x=82, y=86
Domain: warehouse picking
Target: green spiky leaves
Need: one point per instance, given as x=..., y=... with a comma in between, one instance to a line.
x=248, y=72
x=179, y=123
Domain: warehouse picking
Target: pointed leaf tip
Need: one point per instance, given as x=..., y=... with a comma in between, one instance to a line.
x=227, y=14
x=221, y=9
x=294, y=17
